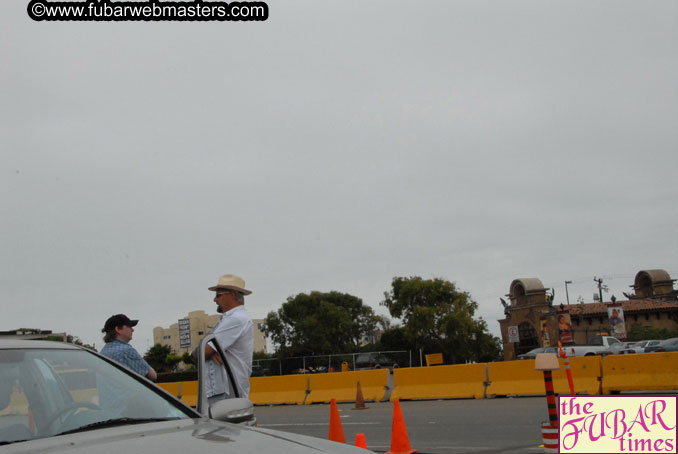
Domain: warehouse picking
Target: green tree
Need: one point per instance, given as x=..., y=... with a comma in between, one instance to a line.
x=262, y=356
x=394, y=339
x=383, y=322
x=639, y=332
x=157, y=358
x=319, y=323
x=187, y=359
x=172, y=360
x=438, y=318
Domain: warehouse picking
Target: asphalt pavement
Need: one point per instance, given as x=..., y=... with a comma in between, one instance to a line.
x=500, y=425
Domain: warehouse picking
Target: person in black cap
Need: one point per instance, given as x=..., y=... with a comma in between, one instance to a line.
x=118, y=332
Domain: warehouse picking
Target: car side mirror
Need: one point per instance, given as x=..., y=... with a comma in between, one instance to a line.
x=235, y=410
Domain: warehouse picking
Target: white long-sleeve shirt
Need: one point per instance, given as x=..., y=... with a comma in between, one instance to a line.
x=235, y=334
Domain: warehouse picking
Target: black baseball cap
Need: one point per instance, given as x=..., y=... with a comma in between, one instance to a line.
x=118, y=320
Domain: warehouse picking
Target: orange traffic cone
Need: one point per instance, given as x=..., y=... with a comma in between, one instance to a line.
x=400, y=443
x=336, y=431
x=360, y=441
x=359, y=400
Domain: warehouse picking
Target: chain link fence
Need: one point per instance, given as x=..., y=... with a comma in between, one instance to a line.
x=334, y=363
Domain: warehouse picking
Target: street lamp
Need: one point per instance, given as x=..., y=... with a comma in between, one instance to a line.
x=567, y=294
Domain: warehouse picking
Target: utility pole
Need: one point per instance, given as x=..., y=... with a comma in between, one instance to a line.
x=567, y=295
x=601, y=287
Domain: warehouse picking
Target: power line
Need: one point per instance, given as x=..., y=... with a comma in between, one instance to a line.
x=581, y=280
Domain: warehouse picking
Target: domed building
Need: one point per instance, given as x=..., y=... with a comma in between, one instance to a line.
x=532, y=318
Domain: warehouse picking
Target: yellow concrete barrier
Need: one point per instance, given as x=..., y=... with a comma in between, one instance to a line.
x=461, y=380
x=591, y=374
x=515, y=378
x=586, y=374
x=342, y=386
x=640, y=372
x=189, y=393
x=172, y=388
x=282, y=389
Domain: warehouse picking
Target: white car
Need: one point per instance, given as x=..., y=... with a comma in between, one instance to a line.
x=639, y=346
x=59, y=398
x=619, y=348
x=532, y=354
x=666, y=345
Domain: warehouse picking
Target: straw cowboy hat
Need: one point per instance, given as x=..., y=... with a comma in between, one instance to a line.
x=231, y=282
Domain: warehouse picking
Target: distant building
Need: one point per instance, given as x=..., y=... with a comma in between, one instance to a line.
x=193, y=328
x=532, y=314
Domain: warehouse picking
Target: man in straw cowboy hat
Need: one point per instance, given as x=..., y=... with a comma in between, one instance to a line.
x=235, y=334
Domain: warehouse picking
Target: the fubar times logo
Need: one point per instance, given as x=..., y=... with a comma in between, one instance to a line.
x=617, y=424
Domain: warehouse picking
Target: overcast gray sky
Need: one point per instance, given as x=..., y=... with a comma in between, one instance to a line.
x=332, y=147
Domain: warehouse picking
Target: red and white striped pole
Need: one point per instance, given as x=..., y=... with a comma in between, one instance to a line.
x=566, y=360
x=550, y=397
x=549, y=436
x=547, y=362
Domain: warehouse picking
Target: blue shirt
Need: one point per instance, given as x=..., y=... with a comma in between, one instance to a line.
x=126, y=355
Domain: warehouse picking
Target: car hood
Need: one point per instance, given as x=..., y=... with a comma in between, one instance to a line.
x=182, y=436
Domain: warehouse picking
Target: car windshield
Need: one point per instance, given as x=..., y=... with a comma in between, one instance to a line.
x=47, y=392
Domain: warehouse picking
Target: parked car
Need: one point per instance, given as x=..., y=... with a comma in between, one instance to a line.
x=617, y=349
x=258, y=371
x=639, y=346
x=668, y=345
x=310, y=370
x=532, y=354
x=374, y=361
x=58, y=398
x=592, y=347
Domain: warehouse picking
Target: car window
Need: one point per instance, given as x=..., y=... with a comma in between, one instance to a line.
x=45, y=392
